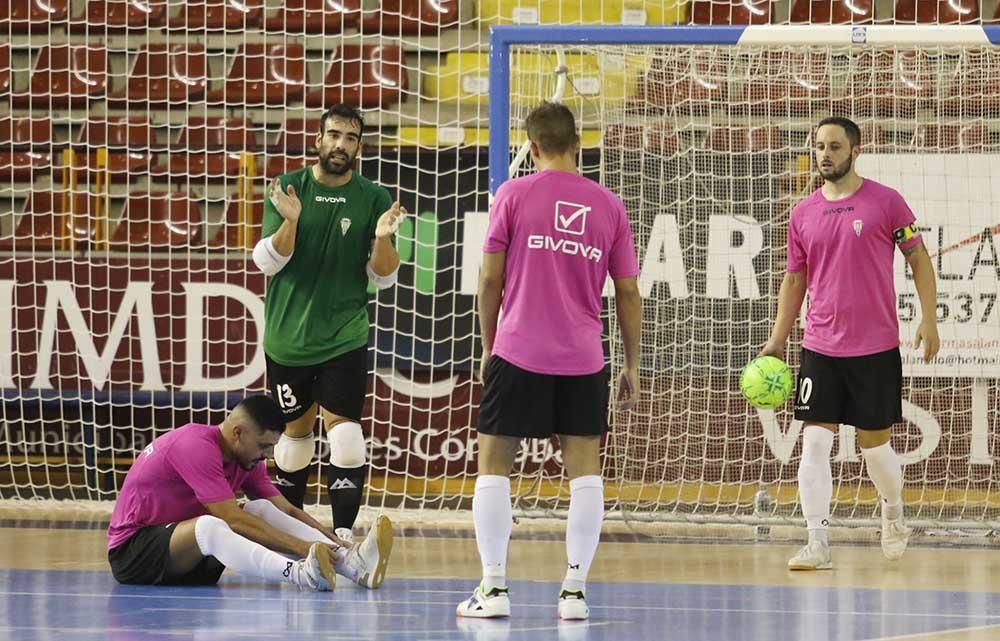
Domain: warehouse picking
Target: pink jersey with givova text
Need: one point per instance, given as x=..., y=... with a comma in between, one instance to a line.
x=562, y=234
x=847, y=248
x=175, y=476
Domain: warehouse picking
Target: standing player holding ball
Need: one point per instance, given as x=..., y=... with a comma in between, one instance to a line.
x=327, y=232
x=841, y=245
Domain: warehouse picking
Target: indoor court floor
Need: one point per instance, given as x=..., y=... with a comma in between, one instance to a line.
x=56, y=585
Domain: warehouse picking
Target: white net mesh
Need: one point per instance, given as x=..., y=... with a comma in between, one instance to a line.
x=135, y=139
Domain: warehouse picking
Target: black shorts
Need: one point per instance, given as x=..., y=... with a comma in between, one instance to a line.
x=338, y=385
x=525, y=404
x=863, y=391
x=143, y=559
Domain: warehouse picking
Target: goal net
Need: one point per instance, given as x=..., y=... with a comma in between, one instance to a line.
x=138, y=140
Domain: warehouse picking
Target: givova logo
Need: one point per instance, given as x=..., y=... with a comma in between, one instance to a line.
x=331, y=199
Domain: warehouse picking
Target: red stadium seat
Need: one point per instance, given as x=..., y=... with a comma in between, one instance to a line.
x=966, y=138
x=25, y=148
x=46, y=224
x=33, y=16
x=656, y=138
x=5, y=68
x=209, y=149
x=280, y=164
x=974, y=88
x=163, y=74
x=689, y=84
x=892, y=85
x=314, y=16
x=263, y=74
x=411, y=17
x=298, y=136
x=130, y=142
x=834, y=11
x=66, y=76
x=937, y=11
x=996, y=15
x=158, y=221
x=743, y=139
x=786, y=83
x=218, y=15
x=731, y=12
x=117, y=16
x=362, y=75
x=228, y=235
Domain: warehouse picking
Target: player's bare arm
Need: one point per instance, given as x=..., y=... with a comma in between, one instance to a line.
x=256, y=529
x=491, y=279
x=285, y=506
x=790, y=297
x=628, y=308
x=290, y=208
x=923, y=276
x=385, y=259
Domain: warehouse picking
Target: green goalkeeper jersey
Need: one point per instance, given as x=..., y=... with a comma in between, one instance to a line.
x=316, y=307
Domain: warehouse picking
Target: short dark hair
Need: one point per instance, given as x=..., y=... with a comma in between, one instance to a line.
x=264, y=412
x=852, y=130
x=552, y=127
x=345, y=111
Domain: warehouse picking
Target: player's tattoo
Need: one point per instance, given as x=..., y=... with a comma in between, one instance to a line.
x=916, y=249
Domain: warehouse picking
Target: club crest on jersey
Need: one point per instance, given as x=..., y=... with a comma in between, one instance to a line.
x=858, y=224
x=345, y=224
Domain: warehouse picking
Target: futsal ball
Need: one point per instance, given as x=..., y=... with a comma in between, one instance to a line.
x=766, y=382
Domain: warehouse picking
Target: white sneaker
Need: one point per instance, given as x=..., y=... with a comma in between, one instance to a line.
x=573, y=606
x=895, y=537
x=346, y=534
x=314, y=572
x=485, y=605
x=813, y=556
x=365, y=562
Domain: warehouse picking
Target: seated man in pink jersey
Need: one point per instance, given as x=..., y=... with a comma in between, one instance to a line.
x=842, y=241
x=176, y=520
x=553, y=239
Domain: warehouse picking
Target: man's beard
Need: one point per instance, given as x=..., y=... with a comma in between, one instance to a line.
x=835, y=173
x=328, y=162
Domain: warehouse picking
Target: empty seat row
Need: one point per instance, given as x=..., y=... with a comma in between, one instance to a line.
x=294, y=16
x=148, y=221
x=69, y=76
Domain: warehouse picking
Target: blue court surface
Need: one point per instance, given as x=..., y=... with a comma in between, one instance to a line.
x=86, y=605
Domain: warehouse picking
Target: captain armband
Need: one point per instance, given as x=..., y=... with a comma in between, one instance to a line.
x=904, y=234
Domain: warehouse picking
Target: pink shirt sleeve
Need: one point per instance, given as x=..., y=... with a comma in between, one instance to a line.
x=623, y=262
x=498, y=231
x=258, y=484
x=796, y=251
x=904, y=224
x=201, y=469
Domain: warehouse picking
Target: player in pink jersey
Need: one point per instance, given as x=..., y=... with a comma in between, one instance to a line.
x=553, y=239
x=841, y=245
x=176, y=520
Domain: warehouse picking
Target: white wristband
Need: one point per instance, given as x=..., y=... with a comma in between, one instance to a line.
x=382, y=282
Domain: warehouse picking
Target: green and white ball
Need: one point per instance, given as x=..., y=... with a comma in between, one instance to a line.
x=766, y=382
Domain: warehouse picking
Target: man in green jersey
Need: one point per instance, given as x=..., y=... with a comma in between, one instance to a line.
x=327, y=231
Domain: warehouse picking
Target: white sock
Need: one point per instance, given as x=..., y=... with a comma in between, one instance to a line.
x=816, y=480
x=583, y=529
x=215, y=538
x=887, y=475
x=492, y=514
x=269, y=512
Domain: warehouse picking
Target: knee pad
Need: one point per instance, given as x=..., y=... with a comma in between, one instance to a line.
x=292, y=454
x=206, y=531
x=347, y=445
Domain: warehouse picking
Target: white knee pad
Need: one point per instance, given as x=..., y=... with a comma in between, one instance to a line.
x=260, y=507
x=292, y=454
x=347, y=445
x=206, y=533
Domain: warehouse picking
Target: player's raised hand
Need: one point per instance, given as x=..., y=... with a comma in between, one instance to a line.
x=389, y=221
x=927, y=333
x=628, y=388
x=287, y=204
